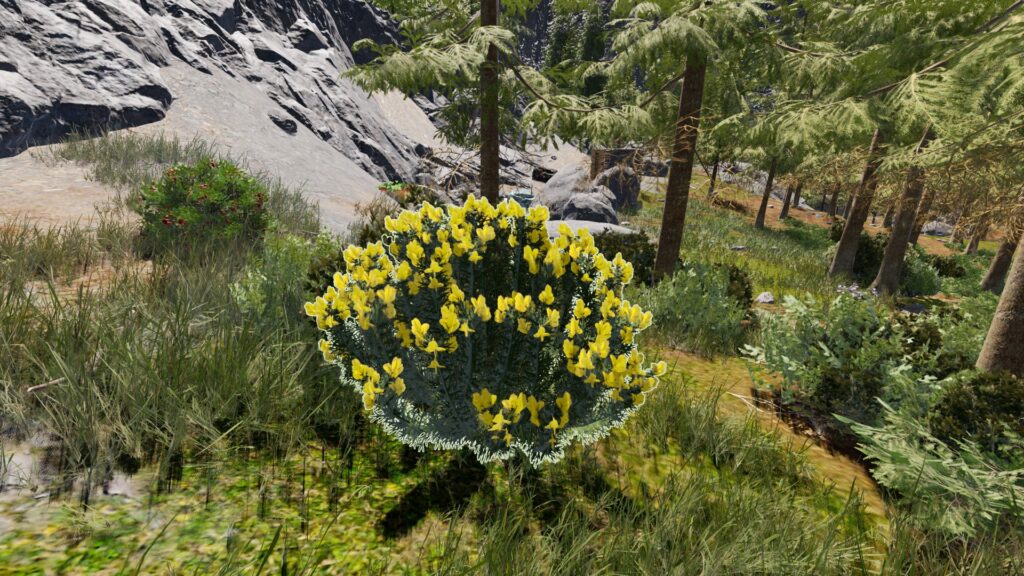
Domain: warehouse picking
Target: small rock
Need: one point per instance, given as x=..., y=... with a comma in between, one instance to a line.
x=737, y=248
x=765, y=298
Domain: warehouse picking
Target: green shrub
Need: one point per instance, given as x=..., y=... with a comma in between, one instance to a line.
x=469, y=327
x=952, y=489
x=207, y=201
x=698, y=308
x=836, y=358
x=986, y=408
x=947, y=266
x=918, y=278
x=636, y=247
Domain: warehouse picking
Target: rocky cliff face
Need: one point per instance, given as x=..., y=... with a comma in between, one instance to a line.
x=93, y=64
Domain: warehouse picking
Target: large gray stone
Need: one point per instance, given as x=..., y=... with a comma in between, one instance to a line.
x=624, y=185
x=569, y=181
x=593, y=205
x=593, y=227
x=92, y=65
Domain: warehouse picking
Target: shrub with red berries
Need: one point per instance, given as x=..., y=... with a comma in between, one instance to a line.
x=209, y=200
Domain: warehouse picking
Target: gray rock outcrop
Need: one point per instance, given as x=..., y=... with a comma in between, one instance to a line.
x=624, y=184
x=91, y=65
x=571, y=195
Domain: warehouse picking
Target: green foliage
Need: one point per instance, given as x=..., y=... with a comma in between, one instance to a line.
x=918, y=278
x=955, y=490
x=701, y=308
x=984, y=408
x=210, y=200
x=951, y=266
x=636, y=247
x=469, y=328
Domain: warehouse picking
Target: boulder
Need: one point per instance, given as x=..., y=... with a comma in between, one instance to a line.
x=624, y=185
x=569, y=181
x=937, y=228
x=593, y=205
x=765, y=298
x=95, y=65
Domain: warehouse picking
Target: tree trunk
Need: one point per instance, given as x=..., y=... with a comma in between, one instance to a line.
x=790, y=192
x=833, y=204
x=795, y=203
x=1004, y=344
x=677, y=191
x=923, y=211
x=902, y=224
x=714, y=180
x=824, y=199
x=1000, y=264
x=490, y=136
x=846, y=207
x=768, y=185
x=890, y=214
x=980, y=231
x=846, y=251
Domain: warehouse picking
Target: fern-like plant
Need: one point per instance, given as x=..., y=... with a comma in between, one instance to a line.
x=468, y=327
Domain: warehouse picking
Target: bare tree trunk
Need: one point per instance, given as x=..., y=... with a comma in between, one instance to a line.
x=1004, y=344
x=714, y=179
x=795, y=203
x=980, y=231
x=790, y=192
x=923, y=211
x=890, y=213
x=824, y=199
x=490, y=136
x=833, y=204
x=846, y=250
x=848, y=205
x=888, y=278
x=768, y=185
x=677, y=191
x=1000, y=264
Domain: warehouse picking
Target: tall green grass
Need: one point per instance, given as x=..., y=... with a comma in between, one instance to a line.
x=787, y=261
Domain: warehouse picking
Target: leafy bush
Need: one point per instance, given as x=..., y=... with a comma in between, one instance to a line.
x=209, y=200
x=986, y=408
x=837, y=357
x=701, y=308
x=918, y=278
x=635, y=247
x=947, y=266
x=468, y=327
x=956, y=489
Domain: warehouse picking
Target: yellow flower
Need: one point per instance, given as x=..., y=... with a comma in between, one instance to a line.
x=580, y=310
x=515, y=403
x=398, y=385
x=573, y=328
x=660, y=368
x=419, y=329
x=480, y=308
x=569, y=348
x=563, y=403
x=485, y=233
x=584, y=361
x=541, y=333
x=403, y=271
x=325, y=349
x=521, y=303
x=455, y=293
x=483, y=400
x=524, y=325
x=387, y=294
x=534, y=406
x=553, y=425
x=394, y=368
x=547, y=296
x=475, y=257
x=433, y=347
x=358, y=369
x=435, y=365
x=538, y=214
x=449, y=319
x=498, y=422
x=553, y=317
x=414, y=251
x=530, y=254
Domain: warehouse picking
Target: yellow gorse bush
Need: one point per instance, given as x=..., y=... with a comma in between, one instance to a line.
x=469, y=327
